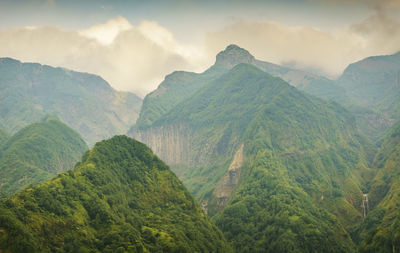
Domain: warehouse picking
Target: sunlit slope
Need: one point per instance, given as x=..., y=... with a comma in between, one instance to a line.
x=37, y=153
x=119, y=198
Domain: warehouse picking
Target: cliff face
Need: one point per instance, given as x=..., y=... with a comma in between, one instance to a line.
x=179, y=147
x=172, y=143
x=200, y=157
x=254, y=148
x=226, y=184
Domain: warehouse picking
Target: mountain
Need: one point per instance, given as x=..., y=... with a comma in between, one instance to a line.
x=175, y=88
x=119, y=198
x=279, y=170
x=373, y=90
x=180, y=85
x=37, y=153
x=380, y=231
x=3, y=137
x=85, y=102
x=310, y=83
x=385, y=163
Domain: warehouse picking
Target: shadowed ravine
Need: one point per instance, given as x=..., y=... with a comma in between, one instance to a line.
x=364, y=205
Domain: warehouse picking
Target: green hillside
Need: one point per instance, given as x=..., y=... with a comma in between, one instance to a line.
x=180, y=85
x=119, y=198
x=373, y=89
x=3, y=137
x=171, y=91
x=380, y=232
x=85, y=102
x=251, y=141
x=270, y=212
x=37, y=153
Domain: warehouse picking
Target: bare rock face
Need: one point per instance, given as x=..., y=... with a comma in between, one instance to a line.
x=171, y=143
x=233, y=55
x=179, y=145
x=226, y=184
x=230, y=180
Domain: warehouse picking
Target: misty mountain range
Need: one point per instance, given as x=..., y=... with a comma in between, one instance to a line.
x=253, y=157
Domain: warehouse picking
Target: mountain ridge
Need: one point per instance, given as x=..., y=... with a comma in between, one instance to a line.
x=184, y=84
x=81, y=100
x=309, y=144
x=372, y=86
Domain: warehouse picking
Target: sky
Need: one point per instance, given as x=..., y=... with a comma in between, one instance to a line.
x=133, y=44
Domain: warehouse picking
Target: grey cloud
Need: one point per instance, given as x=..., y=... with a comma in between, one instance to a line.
x=310, y=48
x=382, y=33
x=306, y=47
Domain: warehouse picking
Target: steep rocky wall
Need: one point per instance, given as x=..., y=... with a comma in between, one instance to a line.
x=231, y=178
x=226, y=184
x=173, y=144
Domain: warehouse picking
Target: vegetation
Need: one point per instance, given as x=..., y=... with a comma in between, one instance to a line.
x=380, y=231
x=120, y=198
x=3, y=137
x=181, y=85
x=174, y=89
x=374, y=82
x=372, y=87
x=37, y=153
x=83, y=101
x=270, y=213
x=306, y=164
x=276, y=169
x=303, y=162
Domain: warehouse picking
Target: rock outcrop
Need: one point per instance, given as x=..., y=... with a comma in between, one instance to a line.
x=171, y=143
x=230, y=180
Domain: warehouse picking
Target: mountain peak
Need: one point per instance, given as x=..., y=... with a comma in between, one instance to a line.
x=119, y=186
x=233, y=55
x=234, y=47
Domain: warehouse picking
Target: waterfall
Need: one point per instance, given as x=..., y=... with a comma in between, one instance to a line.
x=364, y=205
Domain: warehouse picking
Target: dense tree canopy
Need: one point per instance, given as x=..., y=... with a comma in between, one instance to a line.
x=120, y=198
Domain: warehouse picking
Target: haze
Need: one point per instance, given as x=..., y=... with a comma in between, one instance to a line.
x=134, y=44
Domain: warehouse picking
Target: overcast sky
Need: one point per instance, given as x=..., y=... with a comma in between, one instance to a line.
x=133, y=44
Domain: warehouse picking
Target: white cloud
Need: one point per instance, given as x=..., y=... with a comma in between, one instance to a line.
x=137, y=57
x=106, y=33
x=133, y=58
